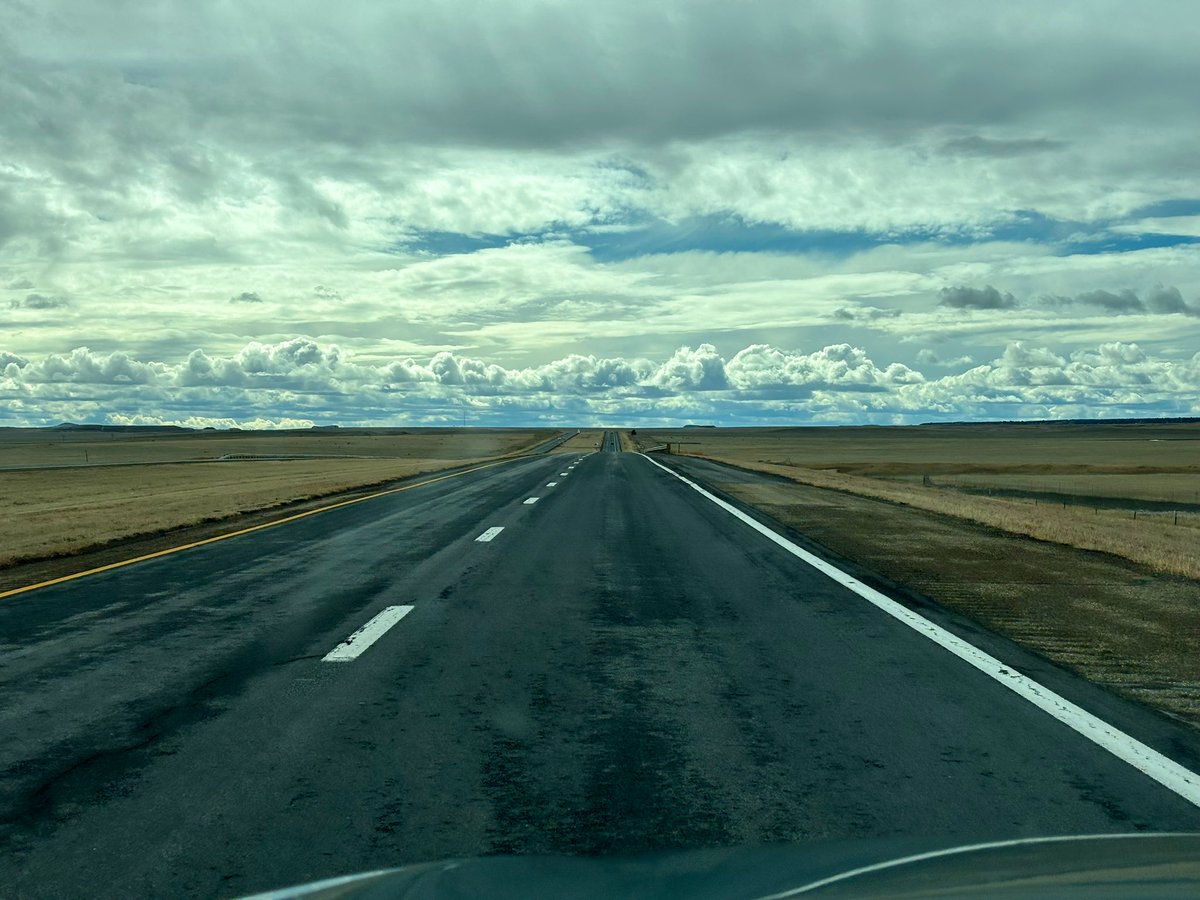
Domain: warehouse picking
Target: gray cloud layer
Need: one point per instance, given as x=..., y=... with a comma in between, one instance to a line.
x=1159, y=300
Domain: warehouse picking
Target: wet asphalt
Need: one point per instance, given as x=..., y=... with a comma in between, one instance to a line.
x=624, y=668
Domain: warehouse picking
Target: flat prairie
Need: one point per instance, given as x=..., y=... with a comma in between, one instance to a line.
x=67, y=491
x=1128, y=489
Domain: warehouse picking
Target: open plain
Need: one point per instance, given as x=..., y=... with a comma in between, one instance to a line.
x=63, y=491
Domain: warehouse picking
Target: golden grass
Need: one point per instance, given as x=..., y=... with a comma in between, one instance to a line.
x=1157, y=462
x=41, y=447
x=1152, y=541
x=933, y=449
x=55, y=511
x=1164, y=487
x=584, y=442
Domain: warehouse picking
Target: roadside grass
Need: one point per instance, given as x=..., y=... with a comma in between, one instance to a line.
x=1152, y=540
x=52, y=447
x=53, y=512
x=950, y=469
x=584, y=442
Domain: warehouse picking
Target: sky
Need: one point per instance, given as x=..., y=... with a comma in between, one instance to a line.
x=491, y=212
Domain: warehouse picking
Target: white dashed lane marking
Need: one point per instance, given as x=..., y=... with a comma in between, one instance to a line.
x=551, y=483
x=532, y=500
x=353, y=646
x=490, y=533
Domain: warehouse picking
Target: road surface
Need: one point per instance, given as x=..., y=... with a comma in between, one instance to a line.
x=572, y=654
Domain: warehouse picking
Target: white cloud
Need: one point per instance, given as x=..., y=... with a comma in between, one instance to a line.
x=307, y=382
x=701, y=369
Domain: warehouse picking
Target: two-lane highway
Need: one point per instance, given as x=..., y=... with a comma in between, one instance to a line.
x=561, y=654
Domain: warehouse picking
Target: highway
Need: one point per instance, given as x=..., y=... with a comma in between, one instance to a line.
x=561, y=654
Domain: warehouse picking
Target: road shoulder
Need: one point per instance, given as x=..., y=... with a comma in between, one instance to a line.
x=1114, y=622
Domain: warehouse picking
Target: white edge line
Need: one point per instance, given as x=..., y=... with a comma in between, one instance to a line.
x=956, y=851
x=489, y=534
x=1125, y=747
x=353, y=646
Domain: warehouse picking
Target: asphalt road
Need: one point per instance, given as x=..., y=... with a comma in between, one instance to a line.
x=624, y=667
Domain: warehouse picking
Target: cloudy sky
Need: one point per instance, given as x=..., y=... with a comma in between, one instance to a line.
x=603, y=213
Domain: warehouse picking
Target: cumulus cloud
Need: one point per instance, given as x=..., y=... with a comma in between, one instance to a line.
x=699, y=369
x=838, y=366
x=82, y=366
x=258, y=423
x=303, y=381
x=246, y=297
x=929, y=357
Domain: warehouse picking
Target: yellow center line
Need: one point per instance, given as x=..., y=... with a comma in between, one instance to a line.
x=241, y=531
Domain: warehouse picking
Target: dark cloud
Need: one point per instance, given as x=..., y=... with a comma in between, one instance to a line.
x=1122, y=301
x=553, y=74
x=326, y=293
x=246, y=297
x=1158, y=300
x=1169, y=300
x=864, y=313
x=976, y=298
x=41, y=301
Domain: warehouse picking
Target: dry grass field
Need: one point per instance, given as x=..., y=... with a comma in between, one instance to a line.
x=862, y=493
x=584, y=442
x=51, y=447
x=149, y=483
x=1130, y=490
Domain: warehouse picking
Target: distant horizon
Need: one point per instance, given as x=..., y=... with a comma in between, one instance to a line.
x=102, y=426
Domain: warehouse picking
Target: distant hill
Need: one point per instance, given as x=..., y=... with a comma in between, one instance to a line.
x=74, y=426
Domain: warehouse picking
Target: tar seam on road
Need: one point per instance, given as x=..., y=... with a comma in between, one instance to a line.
x=353, y=646
x=1125, y=747
x=221, y=537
